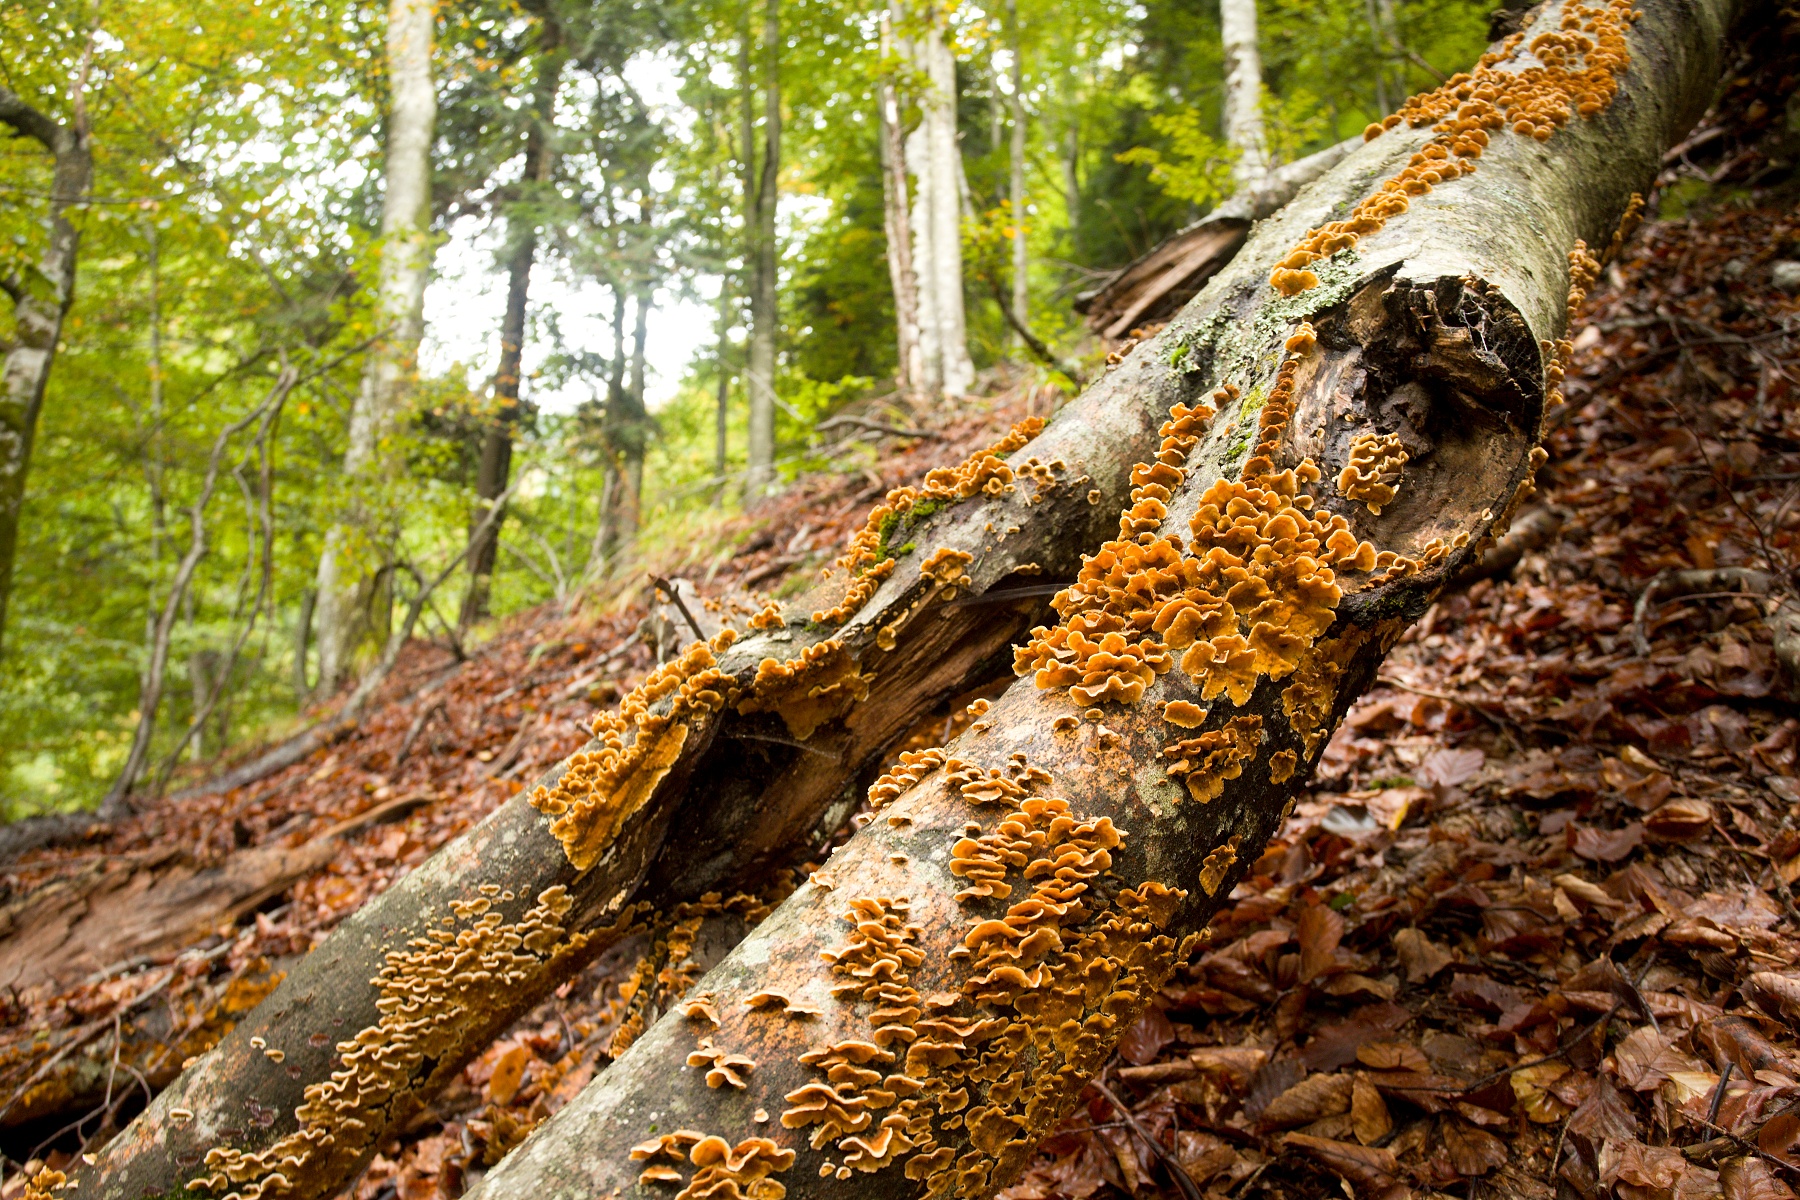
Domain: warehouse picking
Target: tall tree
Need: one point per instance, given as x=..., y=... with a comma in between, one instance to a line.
x=934, y=155
x=762, y=194
x=1015, y=169
x=909, y=371
x=352, y=601
x=1243, y=93
x=41, y=295
x=493, y=470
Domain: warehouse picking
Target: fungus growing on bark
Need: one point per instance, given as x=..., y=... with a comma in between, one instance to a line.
x=859, y=593
x=1282, y=764
x=1213, y=870
x=425, y=995
x=1373, y=472
x=820, y=1104
x=914, y=766
x=738, y=1172
x=600, y=789
x=984, y=472
x=1578, y=74
x=819, y=685
x=946, y=566
x=1183, y=713
x=1207, y=761
x=700, y=1008
x=768, y=618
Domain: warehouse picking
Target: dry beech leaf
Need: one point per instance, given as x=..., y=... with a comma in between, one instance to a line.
x=1314, y=1097
x=1368, y=1113
x=1775, y=993
x=1321, y=929
x=1367, y=1166
x=1472, y=1151
x=1532, y=1087
x=1605, y=845
x=1750, y=1178
x=1679, y=820
x=1393, y=1056
x=1202, y=1155
x=1645, y=1059
x=509, y=1072
x=1605, y=1114
x=1631, y=1162
x=1145, y=1040
x=1419, y=955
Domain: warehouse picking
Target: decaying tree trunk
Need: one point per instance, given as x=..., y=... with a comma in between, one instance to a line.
x=1429, y=329
x=926, y=1009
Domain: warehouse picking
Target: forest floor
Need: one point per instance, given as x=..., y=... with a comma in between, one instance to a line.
x=1531, y=930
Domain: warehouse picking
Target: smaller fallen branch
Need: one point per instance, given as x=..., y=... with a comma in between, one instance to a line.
x=850, y=420
x=1781, y=608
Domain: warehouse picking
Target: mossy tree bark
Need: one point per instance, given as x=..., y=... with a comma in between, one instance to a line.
x=919, y=1015
x=1431, y=329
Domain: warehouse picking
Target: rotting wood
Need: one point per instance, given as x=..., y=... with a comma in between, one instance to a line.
x=979, y=947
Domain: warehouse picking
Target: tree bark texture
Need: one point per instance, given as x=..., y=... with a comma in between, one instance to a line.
x=923, y=1011
x=909, y=367
x=765, y=315
x=346, y=582
x=1447, y=304
x=41, y=300
x=1015, y=171
x=493, y=469
x=1243, y=92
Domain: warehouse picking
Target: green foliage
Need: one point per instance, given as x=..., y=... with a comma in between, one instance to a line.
x=233, y=224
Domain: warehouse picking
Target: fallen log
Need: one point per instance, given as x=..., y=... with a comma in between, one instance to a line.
x=925, y=1009
x=758, y=736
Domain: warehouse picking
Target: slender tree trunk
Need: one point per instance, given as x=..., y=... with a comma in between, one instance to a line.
x=722, y=413
x=1015, y=172
x=1071, y=171
x=41, y=299
x=494, y=467
x=765, y=318
x=930, y=377
x=1243, y=93
x=352, y=603
x=944, y=202
x=634, y=426
x=612, y=484
x=1382, y=51
x=1487, y=251
x=897, y=224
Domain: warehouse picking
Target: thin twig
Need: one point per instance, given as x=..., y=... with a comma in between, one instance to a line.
x=1189, y=1189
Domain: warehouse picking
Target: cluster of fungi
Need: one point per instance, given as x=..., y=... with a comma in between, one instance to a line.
x=600, y=788
x=1044, y=986
x=425, y=995
x=1579, y=66
x=869, y=559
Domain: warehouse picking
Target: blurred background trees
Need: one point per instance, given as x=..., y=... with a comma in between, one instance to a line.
x=310, y=286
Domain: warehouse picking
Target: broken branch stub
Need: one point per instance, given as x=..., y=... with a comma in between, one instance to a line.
x=976, y=951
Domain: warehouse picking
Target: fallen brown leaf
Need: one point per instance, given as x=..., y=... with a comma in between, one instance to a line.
x=1369, y=1113
x=1472, y=1151
x=1367, y=1166
x=1314, y=1097
x=1420, y=956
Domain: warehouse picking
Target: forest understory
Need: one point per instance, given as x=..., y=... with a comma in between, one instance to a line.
x=1531, y=932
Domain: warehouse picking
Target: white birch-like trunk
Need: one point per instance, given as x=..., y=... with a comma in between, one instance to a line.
x=1243, y=93
x=945, y=203
x=764, y=301
x=1015, y=163
x=897, y=223
x=346, y=587
x=930, y=377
